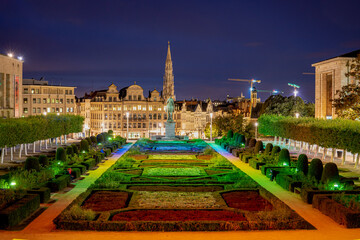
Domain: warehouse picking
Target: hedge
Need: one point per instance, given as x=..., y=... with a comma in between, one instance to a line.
x=43, y=192
x=59, y=183
x=337, y=133
x=18, y=211
x=16, y=131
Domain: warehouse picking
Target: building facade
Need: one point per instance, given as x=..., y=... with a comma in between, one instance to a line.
x=40, y=98
x=128, y=113
x=11, y=74
x=330, y=77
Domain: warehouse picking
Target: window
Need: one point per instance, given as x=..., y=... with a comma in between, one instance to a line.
x=44, y=109
x=134, y=125
x=165, y=116
x=57, y=110
x=134, y=108
x=48, y=109
x=130, y=98
x=34, y=100
x=139, y=125
x=106, y=116
x=57, y=100
x=53, y=100
x=144, y=116
x=134, y=116
x=67, y=109
x=37, y=91
x=25, y=110
x=144, y=108
x=110, y=99
x=48, y=100
x=32, y=91
x=61, y=100
x=159, y=116
x=53, y=110
x=66, y=91
x=26, y=90
x=38, y=110
x=119, y=108
x=155, y=115
x=71, y=109
x=105, y=107
x=139, y=107
x=39, y=100
x=139, y=97
x=150, y=108
x=25, y=100
x=61, y=110
x=34, y=110
x=44, y=100
x=144, y=125
x=110, y=125
x=154, y=98
x=68, y=101
x=150, y=116
x=70, y=92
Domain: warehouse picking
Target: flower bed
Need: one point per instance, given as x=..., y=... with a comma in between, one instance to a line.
x=172, y=161
x=172, y=157
x=106, y=201
x=177, y=200
x=172, y=172
x=179, y=215
x=246, y=200
x=167, y=188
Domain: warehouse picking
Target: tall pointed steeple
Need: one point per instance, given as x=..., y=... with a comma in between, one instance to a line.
x=168, y=84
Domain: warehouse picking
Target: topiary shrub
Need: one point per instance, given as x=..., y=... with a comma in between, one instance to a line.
x=88, y=140
x=43, y=160
x=259, y=147
x=32, y=163
x=100, y=138
x=252, y=143
x=60, y=154
x=315, y=169
x=75, y=149
x=268, y=149
x=93, y=139
x=302, y=164
x=230, y=134
x=84, y=145
x=69, y=151
x=110, y=133
x=330, y=173
x=284, y=157
x=275, y=151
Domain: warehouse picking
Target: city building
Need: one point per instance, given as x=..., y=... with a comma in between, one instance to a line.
x=191, y=117
x=11, y=74
x=330, y=77
x=127, y=112
x=38, y=97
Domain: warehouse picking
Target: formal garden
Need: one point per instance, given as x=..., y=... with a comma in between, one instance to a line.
x=319, y=184
x=157, y=187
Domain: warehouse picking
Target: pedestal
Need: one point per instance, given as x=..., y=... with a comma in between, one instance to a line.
x=169, y=130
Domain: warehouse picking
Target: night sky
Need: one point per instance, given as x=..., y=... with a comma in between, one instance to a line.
x=90, y=44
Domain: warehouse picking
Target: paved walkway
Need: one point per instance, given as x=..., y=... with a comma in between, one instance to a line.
x=326, y=228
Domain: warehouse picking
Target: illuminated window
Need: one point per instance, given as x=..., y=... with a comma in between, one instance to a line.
x=48, y=109
x=150, y=108
x=25, y=110
x=134, y=108
x=139, y=107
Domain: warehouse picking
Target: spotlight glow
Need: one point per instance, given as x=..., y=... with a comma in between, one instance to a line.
x=10, y=55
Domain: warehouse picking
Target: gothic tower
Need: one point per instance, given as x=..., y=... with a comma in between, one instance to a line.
x=168, y=85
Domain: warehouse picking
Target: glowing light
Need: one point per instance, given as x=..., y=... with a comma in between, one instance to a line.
x=297, y=115
x=45, y=113
x=20, y=58
x=13, y=184
x=58, y=114
x=59, y=163
x=83, y=151
x=336, y=185
x=211, y=115
x=284, y=164
x=251, y=89
x=127, y=114
x=109, y=138
x=10, y=55
x=295, y=93
x=256, y=124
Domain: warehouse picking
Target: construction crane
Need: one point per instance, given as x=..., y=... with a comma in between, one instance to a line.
x=295, y=87
x=251, y=81
x=272, y=92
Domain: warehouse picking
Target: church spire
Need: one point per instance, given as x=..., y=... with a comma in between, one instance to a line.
x=168, y=84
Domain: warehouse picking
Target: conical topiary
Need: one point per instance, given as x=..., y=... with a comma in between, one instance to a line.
x=60, y=154
x=315, y=169
x=275, y=151
x=75, y=149
x=32, y=163
x=69, y=151
x=330, y=173
x=252, y=143
x=268, y=149
x=241, y=139
x=100, y=138
x=43, y=160
x=93, y=139
x=259, y=147
x=84, y=145
x=230, y=134
x=302, y=164
x=284, y=157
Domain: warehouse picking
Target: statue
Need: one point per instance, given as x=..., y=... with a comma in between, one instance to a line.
x=170, y=109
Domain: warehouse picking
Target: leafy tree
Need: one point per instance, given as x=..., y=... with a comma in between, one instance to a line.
x=287, y=106
x=215, y=131
x=347, y=99
x=234, y=122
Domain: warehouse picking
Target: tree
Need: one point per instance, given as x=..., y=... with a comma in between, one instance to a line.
x=215, y=131
x=234, y=122
x=287, y=106
x=346, y=103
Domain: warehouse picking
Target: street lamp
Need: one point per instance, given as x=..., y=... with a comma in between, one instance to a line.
x=256, y=127
x=297, y=115
x=127, y=125
x=211, y=116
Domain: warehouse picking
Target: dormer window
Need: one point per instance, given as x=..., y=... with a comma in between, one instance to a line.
x=110, y=99
x=154, y=98
x=130, y=97
x=139, y=97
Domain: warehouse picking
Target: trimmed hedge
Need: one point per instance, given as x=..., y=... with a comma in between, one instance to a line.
x=59, y=183
x=34, y=128
x=315, y=169
x=43, y=192
x=32, y=163
x=43, y=160
x=90, y=163
x=19, y=210
x=337, y=133
x=60, y=154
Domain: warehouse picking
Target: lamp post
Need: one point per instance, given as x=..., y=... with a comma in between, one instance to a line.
x=127, y=125
x=256, y=126
x=211, y=116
